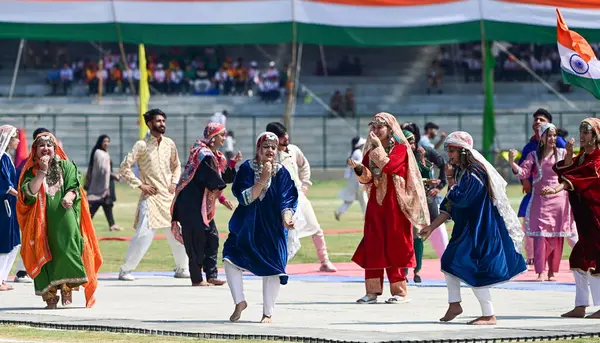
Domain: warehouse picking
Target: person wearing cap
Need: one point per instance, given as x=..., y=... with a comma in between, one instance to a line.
x=540, y=117
x=206, y=174
x=292, y=158
x=353, y=191
x=548, y=219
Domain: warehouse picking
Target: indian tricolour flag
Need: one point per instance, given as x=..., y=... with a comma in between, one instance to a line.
x=578, y=63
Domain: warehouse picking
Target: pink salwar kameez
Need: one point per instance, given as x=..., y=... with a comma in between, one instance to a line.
x=548, y=218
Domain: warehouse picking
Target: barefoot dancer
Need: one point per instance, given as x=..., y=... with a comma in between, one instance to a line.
x=579, y=176
x=485, y=246
x=294, y=161
x=62, y=251
x=548, y=219
x=259, y=226
x=397, y=202
x=202, y=182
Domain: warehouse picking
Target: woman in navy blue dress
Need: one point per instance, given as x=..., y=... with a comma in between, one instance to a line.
x=10, y=239
x=258, y=229
x=485, y=246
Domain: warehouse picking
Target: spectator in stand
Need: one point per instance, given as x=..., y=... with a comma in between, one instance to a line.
x=431, y=131
x=175, y=79
x=253, y=77
x=349, y=105
x=187, y=85
x=54, y=79
x=336, y=103
x=91, y=78
x=66, y=78
x=435, y=78
x=240, y=76
x=222, y=80
x=160, y=79
x=202, y=79
x=114, y=81
x=270, y=84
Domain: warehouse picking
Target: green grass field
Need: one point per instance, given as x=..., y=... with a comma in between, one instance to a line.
x=20, y=334
x=323, y=196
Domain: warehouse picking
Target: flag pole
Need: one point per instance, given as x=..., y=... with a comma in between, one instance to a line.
x=291, y=71
x=489, y=117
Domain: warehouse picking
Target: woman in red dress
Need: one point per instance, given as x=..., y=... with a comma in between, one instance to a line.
x=397, y=206
x=579, y=175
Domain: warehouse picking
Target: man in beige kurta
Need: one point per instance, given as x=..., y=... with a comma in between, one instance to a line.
x=294, y=161
x=159, y=171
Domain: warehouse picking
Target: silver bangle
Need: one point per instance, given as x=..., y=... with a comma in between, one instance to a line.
x=45, y=172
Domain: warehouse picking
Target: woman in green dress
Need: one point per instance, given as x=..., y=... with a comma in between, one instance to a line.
x=54, y=216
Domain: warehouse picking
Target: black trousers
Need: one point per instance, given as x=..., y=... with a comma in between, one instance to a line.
x=202, y=246
x=108, y=211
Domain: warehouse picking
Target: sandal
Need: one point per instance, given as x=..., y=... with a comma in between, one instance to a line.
x=367, y=300
x=397, y=299
x=51, y=303
x=66, y=297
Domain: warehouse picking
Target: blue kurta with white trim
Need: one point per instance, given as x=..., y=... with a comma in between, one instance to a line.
x=257, y=240
x=480, y=252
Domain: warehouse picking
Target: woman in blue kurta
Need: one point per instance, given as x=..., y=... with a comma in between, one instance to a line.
x=10, y=239
x=485, y=246
x=258, y=229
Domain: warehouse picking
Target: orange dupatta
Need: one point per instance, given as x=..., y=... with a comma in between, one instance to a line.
x=32, y=220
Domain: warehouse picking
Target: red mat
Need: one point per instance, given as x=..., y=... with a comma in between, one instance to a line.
x=223, y=235
x=430, y=271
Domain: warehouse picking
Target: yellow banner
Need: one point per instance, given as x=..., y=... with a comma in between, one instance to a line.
x=144, y=91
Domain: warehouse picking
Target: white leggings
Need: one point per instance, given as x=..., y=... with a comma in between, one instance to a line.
x=439, y=239
x=481, y=293
x=584, y=283
x=235, y=281
x=6, y=263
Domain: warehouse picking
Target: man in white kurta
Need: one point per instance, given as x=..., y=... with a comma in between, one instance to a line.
x=159, y=169
x=292, y=158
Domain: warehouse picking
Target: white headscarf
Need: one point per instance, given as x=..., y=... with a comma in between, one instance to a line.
x=545, y=127
x=6, y=133
x=464, y=140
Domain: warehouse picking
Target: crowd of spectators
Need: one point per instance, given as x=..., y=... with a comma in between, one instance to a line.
x=209, y=72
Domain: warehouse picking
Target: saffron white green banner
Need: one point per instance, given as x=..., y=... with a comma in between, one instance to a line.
x=578, y=62
x=329, y=22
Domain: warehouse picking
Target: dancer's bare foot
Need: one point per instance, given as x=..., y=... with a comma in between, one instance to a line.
x=202, y=284
x=595, y=315
x=540, y=277
x=484, y=320
x=454, y=310
x=266, y=320
x=577, y=312
x=237, y=312
x=552, y=278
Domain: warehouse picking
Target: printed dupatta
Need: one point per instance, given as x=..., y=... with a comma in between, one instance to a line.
x=198, y=152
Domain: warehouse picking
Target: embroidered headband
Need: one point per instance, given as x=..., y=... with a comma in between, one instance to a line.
x=213, y=129
x=267, y=137
x=546, y=127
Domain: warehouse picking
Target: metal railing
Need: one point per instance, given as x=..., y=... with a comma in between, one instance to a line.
x=325, y=141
